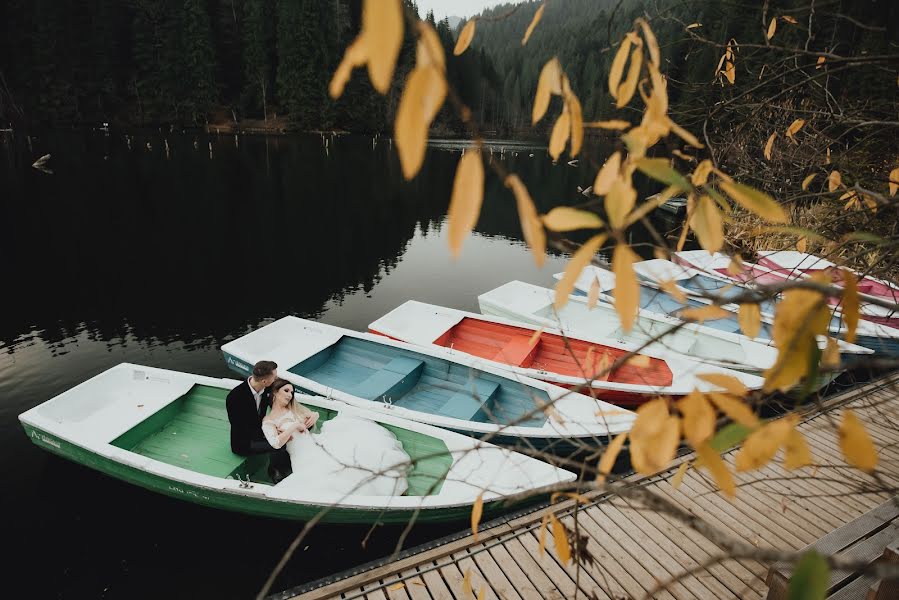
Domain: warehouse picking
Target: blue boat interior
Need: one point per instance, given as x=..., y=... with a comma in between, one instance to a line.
x=424, y=383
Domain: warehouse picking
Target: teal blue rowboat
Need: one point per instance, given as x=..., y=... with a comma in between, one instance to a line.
x=168, y=432
x=427, y=384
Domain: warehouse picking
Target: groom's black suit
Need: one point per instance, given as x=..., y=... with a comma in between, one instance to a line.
x=246, y=421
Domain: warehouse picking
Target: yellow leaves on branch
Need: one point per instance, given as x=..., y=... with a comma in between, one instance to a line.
x=627, y=290
x=749, y=317
x=627, y=89
x=705, y=313
x=763, y=443
x=820, y=62
x=729, y=383
x=799, y=318
x=701, y=173
x=894, y=181
x=735, y=408
x=850, y=304
x=531, y=225
x=377, y=46
x=476, y=511
x=560, y=134
x=807, y=181
x=465, y=202
x=549, y=83
x=856, y=444
x=573, y=269
x=422, y=98
x=755, y=201
x=698, y=418
x=772, y=27
x=726, y=69
x=537, y=16
x=712, y=461
x=560, y=539
x=794, y=128
x=654, y=437
x=619, y=201
x=570, y=124
x=465, y=37
x=834, y=181
x=565, y=218
x=607, y=460
x=607, y=174
x=769, y=145
x=612, y=124
x=652, y=45
x=708, y=224
x=617, y=69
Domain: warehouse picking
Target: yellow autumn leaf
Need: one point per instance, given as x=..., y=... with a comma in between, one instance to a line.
x=856, y=444
x=531, y=225
x=807, y=181
x=850, y=304
x=763, y=443
x=465, y=202
x=537, y=16
x=476, y=511
x=708, y=224
x=619, y=201
x=685, y=135
x=466, y=583
x=421, y=101
x=559, y=136
x=671, y=288
x=652, y=45
x=789, y=19
x=607, y=460
x=565, y=218
x=355, y=55
x=794, y=127
x=799, y=318
x=396, y=586
x=482, y=592
x=769, y=145
x=535, y=337
x=729, y=383
x=573, y=269
x=542, y=535
x=712, y=461
x=701, y=173
x=755, y=201
x=679, y=475
x=772, y=27
x=736, y=409
x=649, y=455
x=382, y=26
x=549, y=83
x=796, y=451
x=465, y=37
x=613, y=124
x=820, y=62
x=429, y=49
x=710, y=312
x=698, y=417
x=593, y=296
x=627, y=290
x=827, y=157
x=560, y=539
x=735, y=266
x=834, y=180
x=577, y=123
x=693, y=26
x=730, y=72
x=617, y=68
x=629, y=86
x=894, y=181
x=830, y=358
x=607, y=174
x=750, y=319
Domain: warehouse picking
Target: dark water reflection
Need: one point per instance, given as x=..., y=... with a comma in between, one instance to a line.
x=158, y=248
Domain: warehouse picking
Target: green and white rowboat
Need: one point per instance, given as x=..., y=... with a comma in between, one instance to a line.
x=168, y=432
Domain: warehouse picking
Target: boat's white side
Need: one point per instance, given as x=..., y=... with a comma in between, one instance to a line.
x=658, y=270
x=94, y=413
x=291, y=340
x=421, y=323
x=534, y=304
x=705, y=262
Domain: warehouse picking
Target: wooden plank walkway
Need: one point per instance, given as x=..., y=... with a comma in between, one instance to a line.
x=634, y=549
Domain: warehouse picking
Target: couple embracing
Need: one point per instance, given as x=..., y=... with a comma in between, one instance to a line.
x=351, y=455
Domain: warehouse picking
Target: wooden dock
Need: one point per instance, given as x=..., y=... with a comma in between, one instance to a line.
x=635, y=549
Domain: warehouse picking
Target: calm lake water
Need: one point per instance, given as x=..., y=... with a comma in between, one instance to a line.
x=157, y=248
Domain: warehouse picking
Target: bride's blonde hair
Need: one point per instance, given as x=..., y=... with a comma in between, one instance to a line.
x=298, y=409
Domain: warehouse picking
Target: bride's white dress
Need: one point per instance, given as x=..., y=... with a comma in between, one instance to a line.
x=351, y=455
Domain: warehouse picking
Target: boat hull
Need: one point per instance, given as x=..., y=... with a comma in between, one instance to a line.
x=256, y=506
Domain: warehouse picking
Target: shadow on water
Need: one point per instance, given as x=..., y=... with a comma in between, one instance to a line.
x=156, y=248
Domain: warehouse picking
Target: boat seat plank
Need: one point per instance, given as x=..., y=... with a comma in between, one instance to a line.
x=518, y=351
x=394, y=379
x=466, y=404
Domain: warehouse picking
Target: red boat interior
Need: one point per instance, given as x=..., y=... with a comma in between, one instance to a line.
x=866, y=285
x=512, y=345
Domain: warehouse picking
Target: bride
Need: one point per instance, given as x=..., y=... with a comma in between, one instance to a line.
x=351, y=455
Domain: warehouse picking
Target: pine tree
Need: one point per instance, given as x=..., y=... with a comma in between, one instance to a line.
x=258, y=54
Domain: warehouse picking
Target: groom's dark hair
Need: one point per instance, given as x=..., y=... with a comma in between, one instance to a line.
x=264, y=368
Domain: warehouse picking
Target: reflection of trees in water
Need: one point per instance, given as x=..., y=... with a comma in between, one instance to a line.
x=131, y=243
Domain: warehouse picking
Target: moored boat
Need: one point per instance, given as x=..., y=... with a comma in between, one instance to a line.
x=425, y=384
x=168, y=432
x=521, y=301
x=878, y=328
x=550, y=355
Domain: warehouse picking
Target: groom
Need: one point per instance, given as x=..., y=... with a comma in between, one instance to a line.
x=247, y=404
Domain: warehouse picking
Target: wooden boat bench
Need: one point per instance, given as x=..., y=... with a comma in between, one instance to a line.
x=464, y=405
x=391, y=381
x=874, y=536
x=518, y=351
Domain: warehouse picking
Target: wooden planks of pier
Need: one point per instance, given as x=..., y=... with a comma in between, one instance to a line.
x=635, y=550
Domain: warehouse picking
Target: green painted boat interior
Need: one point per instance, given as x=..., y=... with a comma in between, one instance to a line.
x=421, y=382
x=193, y=433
